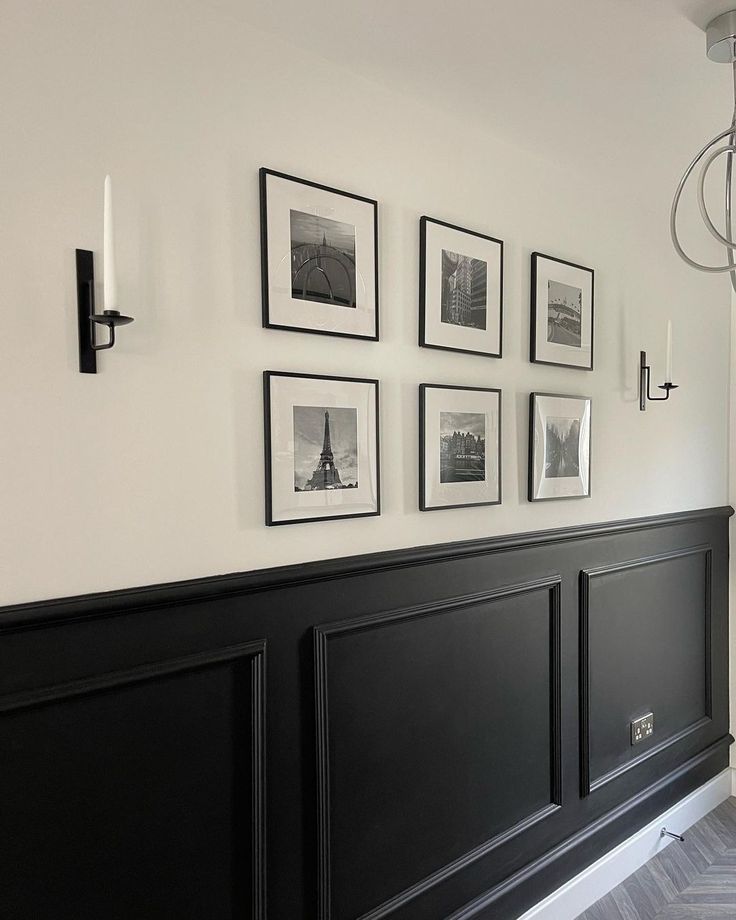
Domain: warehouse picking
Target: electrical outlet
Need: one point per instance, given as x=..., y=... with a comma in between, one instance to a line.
x=642, y=728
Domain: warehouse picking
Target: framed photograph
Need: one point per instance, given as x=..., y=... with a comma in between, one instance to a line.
x=459, y=446
x=460, y=289
x=321, y=439
x=559, y=446
x=562, y=313
x=319, y=258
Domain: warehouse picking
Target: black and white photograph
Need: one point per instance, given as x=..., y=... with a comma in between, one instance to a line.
x=562, y=448
x=562, y=313
x=322, y=457
x=559, y=446
x=460, y=446
x=460, y=289
x=322, y=259
x=319, y=258
x=325, y=448
x=564, y=308
x=464, y=290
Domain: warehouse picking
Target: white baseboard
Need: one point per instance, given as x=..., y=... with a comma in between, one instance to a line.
x=610, y=870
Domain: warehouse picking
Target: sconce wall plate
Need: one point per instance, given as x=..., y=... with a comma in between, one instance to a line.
x=645, y=373
x=85, y=309
x=87, y=319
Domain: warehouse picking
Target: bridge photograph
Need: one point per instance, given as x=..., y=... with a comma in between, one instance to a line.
x=322, y=259
x=564, y=308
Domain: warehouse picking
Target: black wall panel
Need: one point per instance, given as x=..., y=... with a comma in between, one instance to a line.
x=416, y=735
x=424, y=715
x=646, y=628
x=114, y=787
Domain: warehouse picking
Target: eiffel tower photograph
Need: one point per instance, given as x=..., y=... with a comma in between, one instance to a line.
x=325, y=448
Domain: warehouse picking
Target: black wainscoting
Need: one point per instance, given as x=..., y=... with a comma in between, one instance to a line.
x=416, y=735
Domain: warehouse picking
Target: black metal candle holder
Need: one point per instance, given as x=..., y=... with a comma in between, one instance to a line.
x=88, y=319
x=645, y=374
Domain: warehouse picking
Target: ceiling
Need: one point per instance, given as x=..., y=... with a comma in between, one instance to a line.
x=581, y=77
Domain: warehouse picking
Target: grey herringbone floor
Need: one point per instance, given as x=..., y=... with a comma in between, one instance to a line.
x=694, y=880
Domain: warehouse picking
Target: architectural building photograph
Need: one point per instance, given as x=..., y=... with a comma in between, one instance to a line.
x=462, y=446
x=463, y=290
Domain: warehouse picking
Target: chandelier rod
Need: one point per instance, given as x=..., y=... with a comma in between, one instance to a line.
x=713, y=152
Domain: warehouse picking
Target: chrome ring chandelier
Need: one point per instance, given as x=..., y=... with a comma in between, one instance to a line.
x=721, y=47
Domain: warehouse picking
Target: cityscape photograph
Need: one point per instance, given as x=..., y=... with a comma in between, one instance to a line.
x=322, y=259
x=464, y=290
x=325, y=448
x=564, y=309
x=462, y=447
x=562, y=448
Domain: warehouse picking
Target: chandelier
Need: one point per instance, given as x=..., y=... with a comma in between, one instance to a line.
x=721, y=47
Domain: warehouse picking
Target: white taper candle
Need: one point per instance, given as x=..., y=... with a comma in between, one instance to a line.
x=668, y=354
x=110, y=284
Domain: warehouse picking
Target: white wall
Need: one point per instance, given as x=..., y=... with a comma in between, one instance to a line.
x=152, y=470
x=732, y=529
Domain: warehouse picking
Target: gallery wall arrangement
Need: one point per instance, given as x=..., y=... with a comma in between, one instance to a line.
x=319, y=258
x=320, y=275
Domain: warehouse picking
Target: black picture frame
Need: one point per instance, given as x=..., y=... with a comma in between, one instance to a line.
x=534, y=349
x=531, y=452
x=268, y=457
x=423, y=337
x=423, y=389
x=267, y=321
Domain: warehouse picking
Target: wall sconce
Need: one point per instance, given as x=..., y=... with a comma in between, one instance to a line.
x=87, y=319
x=645, y=373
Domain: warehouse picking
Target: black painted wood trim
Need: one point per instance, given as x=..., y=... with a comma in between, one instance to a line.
x=555, y=701
x=586, y=834
x=102, y=604
x=584, y=683
x=258, y=784
x=709, y=633
x=324, y=885
x=652, y=752
x=588, y=785
x=256, y=652
x=397, y=902
x=208, y=614
x=322, y=634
